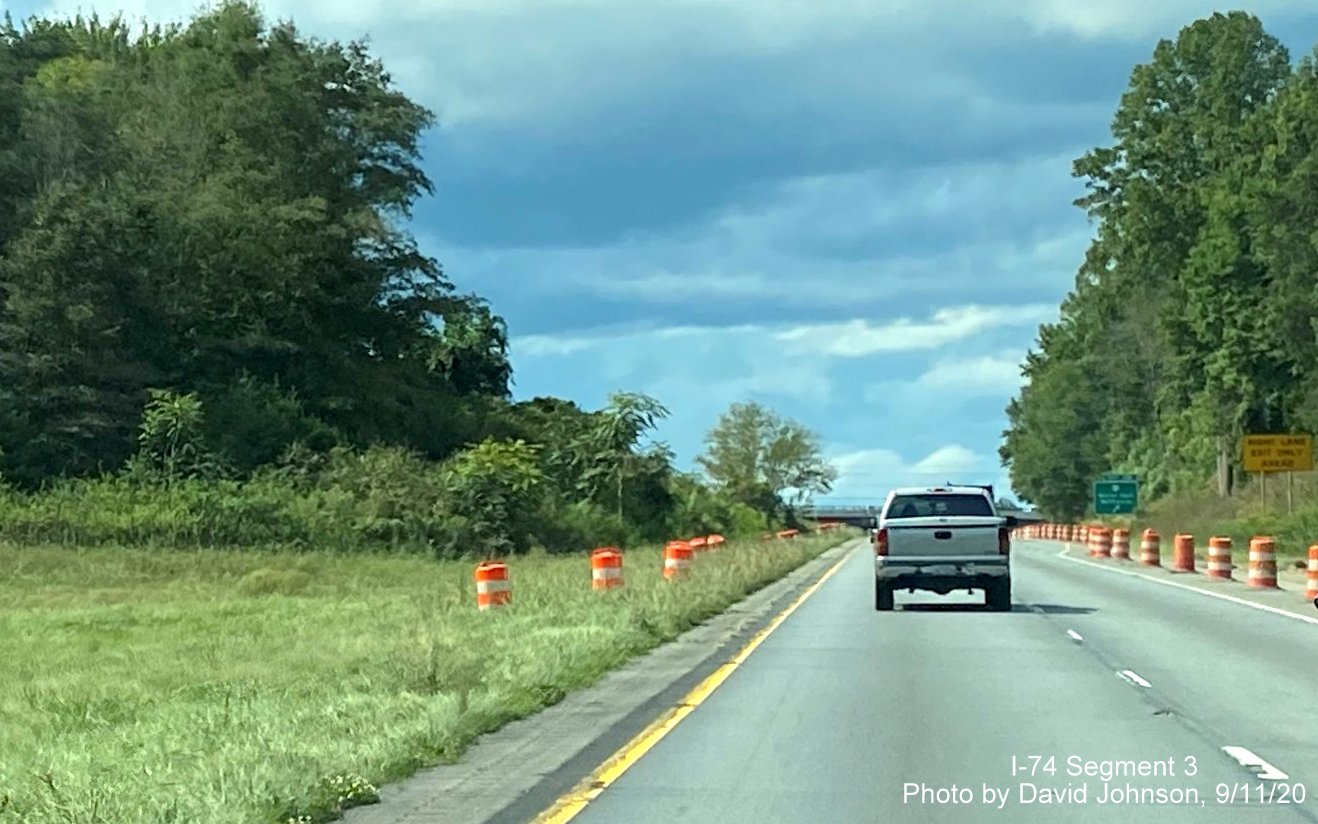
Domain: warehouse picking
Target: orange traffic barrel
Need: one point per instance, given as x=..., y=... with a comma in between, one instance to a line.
x=1150, y=548
x=1183, y=552
x=493, y=589
x=698, y=544
x=605, y=568
x=677, y=559
x=1219, y=557
x=1121, y=544
x=716, y=541
x=788, y=533
x=1262, y=562
x=1100, y=542
x=1311, y=592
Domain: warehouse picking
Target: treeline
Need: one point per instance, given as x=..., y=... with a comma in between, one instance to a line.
x=215, y=328
x=1193, y=317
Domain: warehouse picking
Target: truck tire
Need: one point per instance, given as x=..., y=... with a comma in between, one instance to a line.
x=998, y=595
x=883, y=597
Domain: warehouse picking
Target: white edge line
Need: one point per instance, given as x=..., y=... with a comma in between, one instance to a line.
x=1248, y=759
x=1075, y=635
x=1134, y=678
x=1231, y=598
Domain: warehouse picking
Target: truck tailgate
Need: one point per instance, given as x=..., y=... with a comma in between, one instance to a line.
x=955, y=536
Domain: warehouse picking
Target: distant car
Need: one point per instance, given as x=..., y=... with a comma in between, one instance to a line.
x=941, y=539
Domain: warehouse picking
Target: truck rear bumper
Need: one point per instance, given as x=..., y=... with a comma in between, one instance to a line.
x=941, y=574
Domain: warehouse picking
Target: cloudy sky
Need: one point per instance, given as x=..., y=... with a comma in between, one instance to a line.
x=854, y=211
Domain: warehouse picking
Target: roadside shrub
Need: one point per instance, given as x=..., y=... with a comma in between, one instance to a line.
x=490, y=499
x=582, y=525
x=252, y=423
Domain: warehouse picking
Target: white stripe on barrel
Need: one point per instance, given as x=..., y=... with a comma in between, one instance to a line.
x=1121, y=543
x=1219, y=557
x=1151, y=548
x=1262, y=562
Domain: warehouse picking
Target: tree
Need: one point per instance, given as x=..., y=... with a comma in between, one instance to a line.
x=764, y=461
x=171, y=442
x=491, y=500
x=1054, y=447
x=609, y=449
x=213, y=202
x=1173, y=339
x=472, y=350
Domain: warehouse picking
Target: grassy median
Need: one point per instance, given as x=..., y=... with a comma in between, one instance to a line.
x=165, y=686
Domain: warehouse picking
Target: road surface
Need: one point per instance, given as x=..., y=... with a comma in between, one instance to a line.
x=845, y=714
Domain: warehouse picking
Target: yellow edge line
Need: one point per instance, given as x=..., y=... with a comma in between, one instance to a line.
x=570, y=805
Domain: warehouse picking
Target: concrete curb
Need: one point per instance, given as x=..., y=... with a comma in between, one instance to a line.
x=511, y=775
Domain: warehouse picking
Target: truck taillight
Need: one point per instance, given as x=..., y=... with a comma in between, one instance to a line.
x=1004, y=541
x=881, y=542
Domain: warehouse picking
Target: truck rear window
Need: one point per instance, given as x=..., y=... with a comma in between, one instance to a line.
x=938, y=505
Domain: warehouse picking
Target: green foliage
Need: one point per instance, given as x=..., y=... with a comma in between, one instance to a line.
x=760, y=459
x=1192, y=319
x=251, y=423
x=702, y=510
x=211, y=203
x=490, y=498
x=170, y=440
x=581, y=525
x=216, y=330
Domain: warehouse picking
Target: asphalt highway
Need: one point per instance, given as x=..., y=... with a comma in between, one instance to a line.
x=1099, y=697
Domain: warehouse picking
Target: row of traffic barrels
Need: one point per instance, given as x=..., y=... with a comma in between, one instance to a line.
x=784, y=534
x=494, y=587
x=1107, y=542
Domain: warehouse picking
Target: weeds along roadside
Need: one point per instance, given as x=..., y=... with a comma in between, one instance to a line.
x=232, y=687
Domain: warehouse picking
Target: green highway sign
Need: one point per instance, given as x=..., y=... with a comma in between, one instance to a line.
x=1116, y=495
x=1113, y=476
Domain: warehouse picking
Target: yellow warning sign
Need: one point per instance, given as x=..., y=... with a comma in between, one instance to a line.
x=1277, y=453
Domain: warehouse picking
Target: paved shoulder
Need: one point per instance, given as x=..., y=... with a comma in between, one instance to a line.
x=509, y=775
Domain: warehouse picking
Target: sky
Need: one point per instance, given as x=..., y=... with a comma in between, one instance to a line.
x=856, y=212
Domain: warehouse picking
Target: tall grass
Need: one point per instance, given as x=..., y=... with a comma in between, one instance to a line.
x=218, y=687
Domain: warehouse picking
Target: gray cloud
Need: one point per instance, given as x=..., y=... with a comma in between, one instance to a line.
x=808, y=250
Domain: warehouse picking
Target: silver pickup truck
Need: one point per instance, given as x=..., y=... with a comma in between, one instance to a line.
x=942, y=539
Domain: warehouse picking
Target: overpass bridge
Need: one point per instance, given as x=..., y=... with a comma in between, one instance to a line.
x=865, y=516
